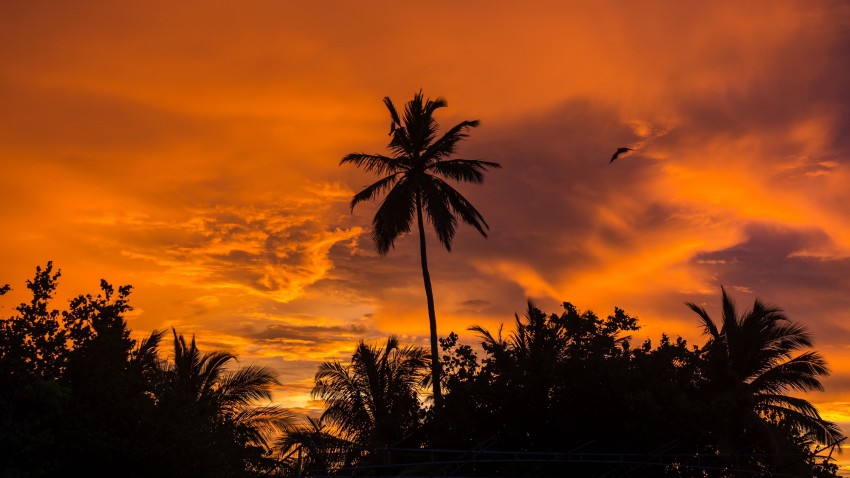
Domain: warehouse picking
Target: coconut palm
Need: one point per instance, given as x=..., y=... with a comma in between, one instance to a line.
x=211, y=410
x=753, y=361
x=308, y=447
x=414, y=180
x=373, y=401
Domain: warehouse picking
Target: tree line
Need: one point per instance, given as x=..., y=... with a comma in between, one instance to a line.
x=79, y=396
x=573, y=381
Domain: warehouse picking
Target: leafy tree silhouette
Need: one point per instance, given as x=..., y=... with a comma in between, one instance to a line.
x=74, y=392
x=79, y=396
x=35, y=339
x=413, y=179
x=548, y=366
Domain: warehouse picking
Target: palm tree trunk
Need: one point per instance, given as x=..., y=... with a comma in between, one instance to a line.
x=432, y=315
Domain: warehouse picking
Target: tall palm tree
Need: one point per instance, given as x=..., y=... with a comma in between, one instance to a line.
x=373, y=401
x=752, y=363
x=413, y=177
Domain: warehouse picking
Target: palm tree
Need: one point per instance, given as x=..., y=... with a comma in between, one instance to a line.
x=373, y=401
x=413, y=178
x=211, y=410
x=308, y=447
x=751, y=366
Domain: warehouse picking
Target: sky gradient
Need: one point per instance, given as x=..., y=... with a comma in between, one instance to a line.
x=192, y=151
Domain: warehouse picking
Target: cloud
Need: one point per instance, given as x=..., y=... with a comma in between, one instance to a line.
x=309, y=333
x=270, y=251
x=768, y=265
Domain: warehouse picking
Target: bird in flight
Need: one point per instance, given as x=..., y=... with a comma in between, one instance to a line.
x=618, y=153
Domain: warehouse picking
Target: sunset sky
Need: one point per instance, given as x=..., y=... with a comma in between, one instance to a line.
x=192, y=149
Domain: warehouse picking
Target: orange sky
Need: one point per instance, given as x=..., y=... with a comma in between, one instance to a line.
x=192, y=150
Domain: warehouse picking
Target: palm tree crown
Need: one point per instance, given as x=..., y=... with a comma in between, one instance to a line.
x=414, y=179
x=751, y=360
x=205, y=382
x=373, y=400
x=415, y=175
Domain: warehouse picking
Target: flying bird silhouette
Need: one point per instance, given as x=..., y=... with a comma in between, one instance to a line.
x=618, y=153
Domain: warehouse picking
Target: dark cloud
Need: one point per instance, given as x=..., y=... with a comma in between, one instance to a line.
x=475, y=303
x=311, y=333
x=770, y=255
x=556, y=174
x=767, y=263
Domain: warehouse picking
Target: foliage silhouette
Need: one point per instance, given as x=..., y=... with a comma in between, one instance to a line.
x=73, y=387
x=79, y=396
x=98, y=402
x=308, y=447
x=573, y=381
x=526, y=382
x=210, y=417
x=414, y=180
x=750, y=366
x=373, y=401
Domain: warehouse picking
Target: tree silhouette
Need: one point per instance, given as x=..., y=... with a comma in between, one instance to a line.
x=74, y=386
x=34, y=340
x=373, y=400
x=309, y=447
x=549, y=366
x=80, y=396
x=750, y=365
x=413, y=178
x=210, y=415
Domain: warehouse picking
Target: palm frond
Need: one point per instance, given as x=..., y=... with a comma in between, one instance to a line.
x=447, y=144
x=394, y=216
x=260, y=425
x=393, y=112
x=463, y=170
x=708, y=325
x=212, y=370
x=461, y=207
x=402, y=146
x=790, y=337
x=433, y=105
x=800, y=413
x=437, y=209
x=730, y=317
x=419, y=124
x=800, y=373
x=487, y=336
x=246, y=385
x=145, y=357
x=373, y=190
x=343, y=396
x=375, y=163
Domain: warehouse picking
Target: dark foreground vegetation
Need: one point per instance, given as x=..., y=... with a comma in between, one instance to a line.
x=79, y=397
x=562, y=394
